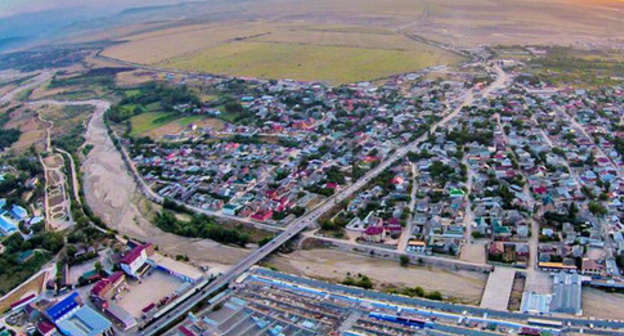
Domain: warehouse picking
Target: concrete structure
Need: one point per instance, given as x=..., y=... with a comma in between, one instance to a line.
x=535, y=303
x=107, y=287
x=134, y=262
x=85, y=322
x=74, y=319
x=567, y=293
x=498, y=288
x=178, y=269
x=18, y=212
x=121, y=317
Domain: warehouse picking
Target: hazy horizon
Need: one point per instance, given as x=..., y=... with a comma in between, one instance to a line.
x=10, y=8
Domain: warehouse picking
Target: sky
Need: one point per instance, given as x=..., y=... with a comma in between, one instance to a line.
x=12, y=7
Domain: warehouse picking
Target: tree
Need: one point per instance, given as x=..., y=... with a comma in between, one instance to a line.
x=404, y=260
x=233, y=107
x=98, y=267
x=597, y=209
x=435, y=296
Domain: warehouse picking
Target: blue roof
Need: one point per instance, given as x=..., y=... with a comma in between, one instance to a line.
x=65, y=306
x=19, y=212
x=84, y=322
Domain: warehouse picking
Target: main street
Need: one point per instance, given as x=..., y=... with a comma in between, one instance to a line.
x=310, y=218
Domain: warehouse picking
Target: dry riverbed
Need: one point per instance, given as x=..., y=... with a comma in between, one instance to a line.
x=112, y=194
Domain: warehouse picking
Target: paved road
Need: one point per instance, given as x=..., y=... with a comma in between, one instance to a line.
x=407, y=232
x=310, y=218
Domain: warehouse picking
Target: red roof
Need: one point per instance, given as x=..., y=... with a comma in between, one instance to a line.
x=262, y=215
x=331, y=185
x=132, y=255
x=26, y=299
x=185, y=331
x=100, y=285
x=373, y=230
x=115, y=276
x=45, y=327
x=148, y=308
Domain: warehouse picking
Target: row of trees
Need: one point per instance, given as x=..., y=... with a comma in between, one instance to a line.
x=201, y=227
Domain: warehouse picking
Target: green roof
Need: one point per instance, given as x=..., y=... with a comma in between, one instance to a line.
x=455, y=191
x=501, y=229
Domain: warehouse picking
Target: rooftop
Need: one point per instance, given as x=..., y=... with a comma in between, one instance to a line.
x=84, y=322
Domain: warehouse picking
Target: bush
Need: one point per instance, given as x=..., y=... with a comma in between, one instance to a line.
x=476, y=235
x=435, y=296
x=404, y=260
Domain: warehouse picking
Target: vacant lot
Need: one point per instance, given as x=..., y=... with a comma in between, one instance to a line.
x=603, y=305
x=150, y=290
x=334, y=265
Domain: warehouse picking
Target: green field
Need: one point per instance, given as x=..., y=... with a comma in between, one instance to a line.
x=156, y=124
x=333, y=64
x=148, y=121
x=132, y=93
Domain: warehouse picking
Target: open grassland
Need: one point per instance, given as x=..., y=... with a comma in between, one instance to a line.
x=582, y=68
x=134, y=78
x=154, y=47
x=459, y=22
x=559, y=22
x=33, y=130
x=335, y=53
x=334, y=64
x=346, y=39
x=335, y=40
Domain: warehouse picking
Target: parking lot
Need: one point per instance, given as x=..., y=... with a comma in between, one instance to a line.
x=151, y=289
